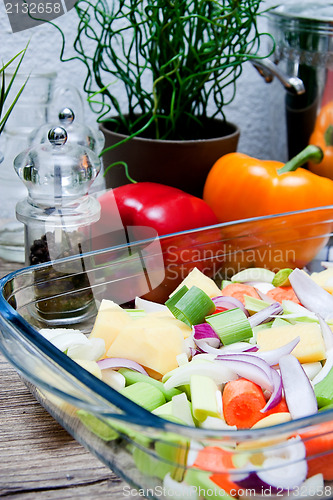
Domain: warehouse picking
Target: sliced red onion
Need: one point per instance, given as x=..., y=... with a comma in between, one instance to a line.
x=273, y=356
x=148, y=306
x=235, y=348
x=278, y=473
x=250, y=367
x=258, y=371
x=121, y=363
x=229, y=303
x=262, y=286
x=205, y=332
x=276, y=395
x=182, y=374
x=266, y=314
x=326, y=368
x=298, y=391
x=265, y=297
x=326, y=333
x=310, y=294
x=287, y=472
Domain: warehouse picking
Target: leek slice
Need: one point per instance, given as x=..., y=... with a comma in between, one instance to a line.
x=205, y=399
x=255, y=305
x=192, y=306
x=253, y=274
x=132, y=377
x=231, y=326
x=145, y=395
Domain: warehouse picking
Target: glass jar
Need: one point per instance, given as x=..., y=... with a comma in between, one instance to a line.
x=303, y=34
x=57, y=215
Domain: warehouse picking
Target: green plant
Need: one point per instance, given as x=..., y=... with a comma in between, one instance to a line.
x=172, y=59
x=5, y=90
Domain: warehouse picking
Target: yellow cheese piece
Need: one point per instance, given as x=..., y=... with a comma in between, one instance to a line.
x=155, y=345
x=197, y=278
x=324, y=279
x=110, y=320
x=310, y=348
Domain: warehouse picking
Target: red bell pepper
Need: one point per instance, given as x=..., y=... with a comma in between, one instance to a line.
x=148, y=209
x=163, y=208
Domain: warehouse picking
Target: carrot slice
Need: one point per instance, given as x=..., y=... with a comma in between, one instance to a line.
x=319, y=445
x=238, y=290
x=219, y=462
x=242, y=402
x=224, y=482
x=214, y=459
x=281, y=293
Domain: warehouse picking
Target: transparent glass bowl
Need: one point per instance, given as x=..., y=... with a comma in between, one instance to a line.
x=146, y=451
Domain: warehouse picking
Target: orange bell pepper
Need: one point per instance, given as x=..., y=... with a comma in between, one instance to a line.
x=239, y=187
x=322, y=136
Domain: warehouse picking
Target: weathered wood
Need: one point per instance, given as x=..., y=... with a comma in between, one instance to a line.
x=37, y=456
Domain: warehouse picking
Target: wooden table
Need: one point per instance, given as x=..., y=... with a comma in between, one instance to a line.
x=37, y=456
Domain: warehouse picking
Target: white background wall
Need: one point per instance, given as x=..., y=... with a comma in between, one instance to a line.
x=251, y=110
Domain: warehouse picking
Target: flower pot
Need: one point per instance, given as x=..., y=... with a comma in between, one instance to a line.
x=183, y=164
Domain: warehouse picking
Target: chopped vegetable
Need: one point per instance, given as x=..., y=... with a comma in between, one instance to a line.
x=318, y=441
x=231, y=326
x=206, y=398
x=299, y=394
x=144, y=394
x=283, y=293
x=282, y=278
x=192, y=306
x=324, y=390
x=253, y=274
x=239, y=290
x=311, y=295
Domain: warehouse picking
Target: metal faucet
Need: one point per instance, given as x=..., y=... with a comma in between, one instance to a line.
x=267, y=69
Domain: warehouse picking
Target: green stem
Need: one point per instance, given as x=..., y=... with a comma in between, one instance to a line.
x=124, y=164
x=311, y=152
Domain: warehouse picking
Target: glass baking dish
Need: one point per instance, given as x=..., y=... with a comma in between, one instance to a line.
x=152, y=454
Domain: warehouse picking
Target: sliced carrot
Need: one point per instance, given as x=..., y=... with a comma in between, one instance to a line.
x=224, y=482
x=219, y=462
x=214, y=459
x=242, y=402
x=279, y=408
x=238, y=290
x=281, y=293
x=319, y=445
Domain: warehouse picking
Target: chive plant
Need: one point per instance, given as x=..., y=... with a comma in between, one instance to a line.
x=172, y=59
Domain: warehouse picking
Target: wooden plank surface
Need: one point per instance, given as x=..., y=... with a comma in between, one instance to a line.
x=38, y=458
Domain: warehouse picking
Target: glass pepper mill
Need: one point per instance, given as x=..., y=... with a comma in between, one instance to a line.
x=78, y=133
x=57, y=216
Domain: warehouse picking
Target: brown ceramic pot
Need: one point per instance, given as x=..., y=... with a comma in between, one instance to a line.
x=183, y=164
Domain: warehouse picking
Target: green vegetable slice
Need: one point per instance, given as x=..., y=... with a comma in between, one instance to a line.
x=231, y=326
x=253, y=274
x=324, y=390
x=254, y=305
x=204, y=396
x=192, y=306
x=144, y=394
x=132, y=377
x=282, y=277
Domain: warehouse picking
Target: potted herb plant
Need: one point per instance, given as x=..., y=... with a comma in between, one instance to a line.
x=162, y=73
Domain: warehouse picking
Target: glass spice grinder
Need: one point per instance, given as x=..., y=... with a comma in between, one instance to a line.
x=57, y=215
